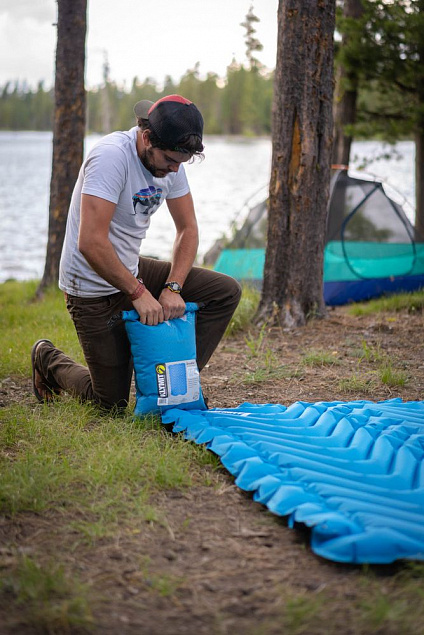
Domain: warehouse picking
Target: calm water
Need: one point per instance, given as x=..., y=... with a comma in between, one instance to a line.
x=233, y=172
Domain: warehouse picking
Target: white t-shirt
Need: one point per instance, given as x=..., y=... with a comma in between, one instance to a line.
x=113, y=171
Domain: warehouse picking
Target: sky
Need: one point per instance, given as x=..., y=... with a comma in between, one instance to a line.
x=141, y=38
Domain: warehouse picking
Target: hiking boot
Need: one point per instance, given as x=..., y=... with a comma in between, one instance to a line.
x=42, y=389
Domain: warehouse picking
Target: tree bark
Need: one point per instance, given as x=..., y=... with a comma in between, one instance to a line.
x=300, y=172
x=419, y=184
x=419, y=143
x=346, y=95
x=69, y=127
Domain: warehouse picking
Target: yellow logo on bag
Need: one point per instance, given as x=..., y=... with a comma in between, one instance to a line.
x=161, y=380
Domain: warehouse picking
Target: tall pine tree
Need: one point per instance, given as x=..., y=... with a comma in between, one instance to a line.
x=385, y=48
x=300, y=171
x=69, y=127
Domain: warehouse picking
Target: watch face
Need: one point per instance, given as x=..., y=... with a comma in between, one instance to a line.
x=174, y=286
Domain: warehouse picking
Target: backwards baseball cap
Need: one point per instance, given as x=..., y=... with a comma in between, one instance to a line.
x=172, y=119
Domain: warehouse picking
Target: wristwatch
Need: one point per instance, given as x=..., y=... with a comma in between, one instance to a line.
x=173, y=286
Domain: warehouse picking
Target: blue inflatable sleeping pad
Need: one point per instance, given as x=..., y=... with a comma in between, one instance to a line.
x=352, y=471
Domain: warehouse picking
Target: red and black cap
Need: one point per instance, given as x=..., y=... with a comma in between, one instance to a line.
x=172, y=119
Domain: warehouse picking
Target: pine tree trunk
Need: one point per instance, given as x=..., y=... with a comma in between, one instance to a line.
x=419, y=185
x=300, y=173
x=344, y=115
x=419, y=144
x=346, y=96
x=69, y=127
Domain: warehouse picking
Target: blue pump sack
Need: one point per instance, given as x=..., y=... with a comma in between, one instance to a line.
x=166, y=372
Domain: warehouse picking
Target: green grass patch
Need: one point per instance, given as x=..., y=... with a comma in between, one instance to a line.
x=396, y=606
x=164, y=585
x=245, y=311
x=263, y=372
x=372, y=353
x=255, y=341
x=264, y=361
x=96, y=469
x=316, y=357
x=400, y=302
x=24, y=320
x=367, y=382
x=260, y=375
x=391, y=376
x=301, y=613
x=357, y=383
x=391, y=605
x=48, y=599
x=384, y=371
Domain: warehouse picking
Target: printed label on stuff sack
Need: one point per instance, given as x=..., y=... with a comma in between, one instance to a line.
x=178, y=382
x=161, y=379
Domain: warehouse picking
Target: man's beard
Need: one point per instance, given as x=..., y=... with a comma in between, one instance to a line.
x=146, y=157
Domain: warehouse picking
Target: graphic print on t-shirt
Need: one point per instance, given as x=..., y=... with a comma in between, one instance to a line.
x=149, y=199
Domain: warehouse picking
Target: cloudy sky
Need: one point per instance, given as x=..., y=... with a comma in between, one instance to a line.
x=143, y=38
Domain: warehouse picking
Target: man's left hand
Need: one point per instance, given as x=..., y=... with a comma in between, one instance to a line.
x=172, y=303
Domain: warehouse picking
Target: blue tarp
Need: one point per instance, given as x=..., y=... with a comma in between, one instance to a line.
x=352, y=471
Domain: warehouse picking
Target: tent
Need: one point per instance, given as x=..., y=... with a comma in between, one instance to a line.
x=371, y=247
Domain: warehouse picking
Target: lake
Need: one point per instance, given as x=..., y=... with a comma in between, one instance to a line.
x=234, y=172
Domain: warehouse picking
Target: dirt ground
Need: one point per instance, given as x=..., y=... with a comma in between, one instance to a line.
x=233, y=567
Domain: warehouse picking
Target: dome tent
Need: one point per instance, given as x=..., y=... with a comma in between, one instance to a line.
x=371, y=247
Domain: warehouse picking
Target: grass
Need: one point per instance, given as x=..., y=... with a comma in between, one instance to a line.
x=47, y=598
x=243, y=316
x=396, y=607
x=266, y=366
x=102, y=470
x=98, y=477
x=316, y=357
x=390, y=376
x=92, y=479
x=245, y=311
x=23, y=321
x=365, y=381
x=358, y=383
x=392, y=606
x=262, y=364
x=92, y=475
x=371, y=354
x=70, y=455
x=403, y=301
x=266, y=369
x=254, y=341
x=164, y=585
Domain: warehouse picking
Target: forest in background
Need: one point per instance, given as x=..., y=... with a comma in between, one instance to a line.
x=239, y=104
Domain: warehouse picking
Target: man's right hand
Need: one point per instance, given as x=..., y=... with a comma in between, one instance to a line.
x=149, y=309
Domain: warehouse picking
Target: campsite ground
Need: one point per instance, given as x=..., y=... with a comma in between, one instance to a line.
x=217, y=562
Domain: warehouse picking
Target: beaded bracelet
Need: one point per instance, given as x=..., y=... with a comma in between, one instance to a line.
x=138, y=291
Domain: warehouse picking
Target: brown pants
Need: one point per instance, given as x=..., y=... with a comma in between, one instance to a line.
x=104, y=341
